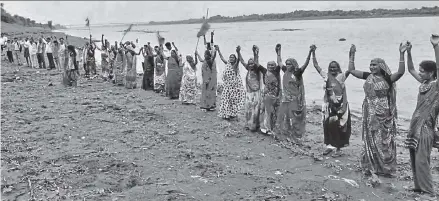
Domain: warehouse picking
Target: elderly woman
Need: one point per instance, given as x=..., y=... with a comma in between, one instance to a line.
x=379, y=115
x=188, y=89
x=208, y=80
x=254, y=83
x=291, y=119
x=70, y=75
x=131, y=73
x=233, y=96
x=422, y=136
x=271, y=98
x=173, y=78
x=336, y=113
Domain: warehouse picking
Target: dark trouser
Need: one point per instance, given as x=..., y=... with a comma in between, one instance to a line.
x=10, y=56
x=51, y=61
x=41, y=61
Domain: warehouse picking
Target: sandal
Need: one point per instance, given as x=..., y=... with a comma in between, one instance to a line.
x=327, y=151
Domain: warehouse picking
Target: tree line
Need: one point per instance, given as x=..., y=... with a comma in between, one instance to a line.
x=20, y=20
x=315, y=14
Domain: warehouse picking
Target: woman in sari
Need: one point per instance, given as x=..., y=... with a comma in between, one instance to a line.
x=188, y=89
x=159, y=74
x=233, y=96
x=173, y=78
x=291, y=119
x=112, y=58
x=253, y=82
x=271, y=98
x=148, y=68
x=70, y=75
x=105, y=59
x=336, y=113
x=119, y=66
x=33, y=53
x=379, y=115
x=422, y=136
x=131, y=73
x=208, y=80
x=62, y=53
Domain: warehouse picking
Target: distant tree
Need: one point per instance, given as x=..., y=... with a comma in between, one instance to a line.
x=49, y=24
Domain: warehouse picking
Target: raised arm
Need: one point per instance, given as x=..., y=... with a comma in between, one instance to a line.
x=214, y=53
x=410, y=65
x=211, y=38
x=238, y=50
x=279, y=57
x=315, y=63
x=242, y=60
x=401, y=70
x=221, y=55
x=302, y=69
x=196, y=59
x=175, y=47
x=205, y=42
x=356, y=73
x=435, y=42
x=351, y=66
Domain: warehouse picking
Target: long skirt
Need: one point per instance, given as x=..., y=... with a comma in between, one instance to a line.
x=337, y=129
x=173, y=83
x=159, y=82
x=91, y=66
x=232, y=101
x=70, y=78
x=148, y=77
x=105, y=68
x=188, y=90
x=208, y=94
x=252, y=110
x=290, y=123
x=130, y=78
x=420, y=161
x=269, y=113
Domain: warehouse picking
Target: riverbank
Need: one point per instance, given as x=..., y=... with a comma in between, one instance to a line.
x=102, y=142
x=15, y=30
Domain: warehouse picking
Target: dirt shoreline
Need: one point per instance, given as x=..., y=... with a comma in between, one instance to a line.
x=102, y=142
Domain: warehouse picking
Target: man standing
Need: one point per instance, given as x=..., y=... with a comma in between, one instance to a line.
x=41, y=46
x=49, y=52
x=17, y=47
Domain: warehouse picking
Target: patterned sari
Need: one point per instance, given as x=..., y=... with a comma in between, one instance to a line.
x=253, y=99
x=422, y=136
x=208, y=86
x=188, y=90
x=159, y=76
x=131, y=74
x=119, y=69
x=233, y=96
x=70, y=75
x=379, y=125
x=271, y=98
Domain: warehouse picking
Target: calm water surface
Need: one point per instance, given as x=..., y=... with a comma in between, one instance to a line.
x=373, y=38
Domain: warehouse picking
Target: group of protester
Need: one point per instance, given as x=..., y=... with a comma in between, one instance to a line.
x=275, y=104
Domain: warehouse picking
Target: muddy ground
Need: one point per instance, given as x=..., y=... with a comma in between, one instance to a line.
x=102, y=142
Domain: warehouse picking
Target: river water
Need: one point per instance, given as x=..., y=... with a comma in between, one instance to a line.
x=379, y=37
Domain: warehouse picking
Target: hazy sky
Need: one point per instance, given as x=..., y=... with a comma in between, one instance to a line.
x=75, y=12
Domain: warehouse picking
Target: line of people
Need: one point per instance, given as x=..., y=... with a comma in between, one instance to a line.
x=36, y=53
x=275, y=105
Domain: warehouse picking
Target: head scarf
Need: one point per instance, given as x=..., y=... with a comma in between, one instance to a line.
x=392, y=91
x=271, y=63
x=337, y=64
x=293, y=62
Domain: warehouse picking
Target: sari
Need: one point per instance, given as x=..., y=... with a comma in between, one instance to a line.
x=208, y=86
x=291, y=119
x=379, y=124
x=159, y=76
x=131, y=74
x=70, y=74
x=336, y=113
x=271, y=100
x=253, y=99
x=173, y=79
x=148, y=73
x=233, y=96
x=422, y=136
x=105, y=64
x=188, y=90
x=62, y=55
x=119, y=69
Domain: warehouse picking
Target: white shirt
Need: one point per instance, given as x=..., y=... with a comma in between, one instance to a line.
x=3, y=40
x=33, y=49
x=62, y=48
x=49, y=47
x=17, y=46
x=27, y=44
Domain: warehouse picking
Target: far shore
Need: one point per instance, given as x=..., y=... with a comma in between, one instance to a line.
x=250, y=21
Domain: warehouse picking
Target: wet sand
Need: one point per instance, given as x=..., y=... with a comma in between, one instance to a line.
x=102, y=142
